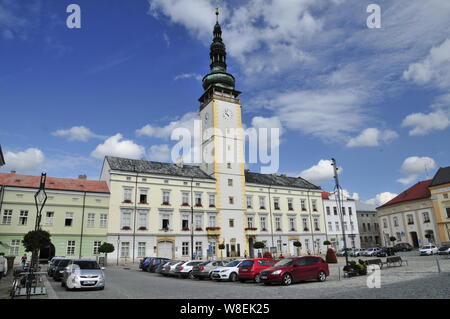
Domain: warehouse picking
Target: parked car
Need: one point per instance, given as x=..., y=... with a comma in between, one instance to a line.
x=161, y=266
x=59, y=269
x=402, y=247
x=343, y=252
x=185, y=270
x=203, y=270
x=228, y=272
x=52, y=266
x=371, y=252
x=385, y=252
x=444, y=250
x=82, y=273
x=295, y=269
x=169, y=268
x=249, y=269
x=151, y=263
x=428, y=250
x=357, y=252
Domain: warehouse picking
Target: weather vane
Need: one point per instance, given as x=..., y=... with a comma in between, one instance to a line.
x=217, y=15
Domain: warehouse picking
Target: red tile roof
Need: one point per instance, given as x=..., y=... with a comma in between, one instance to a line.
x=418, y=191
x=69, y=184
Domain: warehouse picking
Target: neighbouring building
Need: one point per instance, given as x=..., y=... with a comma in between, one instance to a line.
x=171, y=210
x=2, y=159
x=409, y=217
x=369, y=228
x=337, y=225
x=440, y=196
x=75, y=214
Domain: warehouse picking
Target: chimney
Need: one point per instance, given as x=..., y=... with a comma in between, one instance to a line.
x=82, y=176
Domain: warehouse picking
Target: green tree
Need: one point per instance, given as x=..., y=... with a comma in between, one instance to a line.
x=34, y=241
x=392, y=239
x=298, y=245
x=106, y=248
x=259, y=245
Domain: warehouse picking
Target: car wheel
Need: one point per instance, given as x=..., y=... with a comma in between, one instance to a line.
x=233, y=277
x=191, y=275
x=287, y=280
x=322, y=276
x=257, y=278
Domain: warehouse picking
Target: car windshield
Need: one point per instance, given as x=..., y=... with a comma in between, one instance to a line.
x=56, y=262
x=86, y=264
x=284, y=262
x=193, y=263
x=444, y=248
x=426, y=247
x=233, y=263
x=205, y=263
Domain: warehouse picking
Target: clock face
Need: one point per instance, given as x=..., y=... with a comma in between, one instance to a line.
x=227, y=114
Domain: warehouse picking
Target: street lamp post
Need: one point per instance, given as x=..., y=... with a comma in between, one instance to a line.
x=192, y=218
x=40, y=197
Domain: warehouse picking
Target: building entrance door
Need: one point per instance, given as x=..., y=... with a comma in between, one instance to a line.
x=415, y=240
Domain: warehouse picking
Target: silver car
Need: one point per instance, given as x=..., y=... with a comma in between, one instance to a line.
x=83, y=273
x=204, y=270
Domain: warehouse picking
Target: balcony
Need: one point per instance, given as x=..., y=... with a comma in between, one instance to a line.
x=250, y=231
x=213, y=231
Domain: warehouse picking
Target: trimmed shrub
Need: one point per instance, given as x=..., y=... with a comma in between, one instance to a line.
x=331, y=256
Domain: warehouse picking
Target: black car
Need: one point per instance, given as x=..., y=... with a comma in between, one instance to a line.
x=385, y=252
x=403, y=247
x=59, y=270
x=52, y=266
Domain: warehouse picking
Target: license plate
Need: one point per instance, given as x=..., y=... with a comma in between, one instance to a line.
x=89, y=282
x=263, y=277
x=244, y=269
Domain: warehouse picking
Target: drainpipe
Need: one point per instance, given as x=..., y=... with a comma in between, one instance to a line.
x=192, y=218
x=82, y=223
x=271, y=216
x=135, y=212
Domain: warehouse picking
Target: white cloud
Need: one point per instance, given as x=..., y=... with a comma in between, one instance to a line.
x=417, y=165
x=372, y=137
x=434, y=69
x=164, y=132
x=423, y=124
x=159, y=153
x=184, y=76
x=381, y=198
x=29, y=160
x=77, y=133
x=408, y=180
x=117, y=146
x=319, y=173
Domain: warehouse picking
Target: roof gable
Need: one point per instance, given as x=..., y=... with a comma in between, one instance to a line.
x=442, y=177
x=418, y=191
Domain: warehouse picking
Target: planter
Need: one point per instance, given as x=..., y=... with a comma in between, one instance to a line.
x=198, y=229
x=126, y=228
x=165, y=203
x=198, y=205
x=142, y=228
x=127, y=201
x=251, y=228
x=185, y=229
x=185, y=204
x=212, y=206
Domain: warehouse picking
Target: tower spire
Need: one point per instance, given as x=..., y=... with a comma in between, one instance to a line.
x=217, y=15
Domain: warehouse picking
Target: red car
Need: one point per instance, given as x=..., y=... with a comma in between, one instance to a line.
x=290, y=270
x=250, y=268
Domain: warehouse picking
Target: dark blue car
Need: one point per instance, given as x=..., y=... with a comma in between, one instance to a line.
x=151, y=263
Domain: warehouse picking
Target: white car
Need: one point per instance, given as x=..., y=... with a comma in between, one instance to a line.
x=371, y=252
x=428, y=250
x=185, y=270
x=228, y=272
x=357, y=252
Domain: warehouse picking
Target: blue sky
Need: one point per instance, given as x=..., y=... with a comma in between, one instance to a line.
x=377, y=100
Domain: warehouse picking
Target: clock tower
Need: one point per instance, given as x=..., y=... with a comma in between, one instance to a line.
x=222, y=146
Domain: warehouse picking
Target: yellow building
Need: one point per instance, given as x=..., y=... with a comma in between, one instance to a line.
x=440, y=196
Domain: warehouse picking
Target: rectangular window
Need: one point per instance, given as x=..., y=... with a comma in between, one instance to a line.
x=23, y=217
x=91, y=220
x=71, y=247
x=166, y=198
x=343, y=210
x=143, y=196
x=303, y=204
x=279, y=245
x=410, y=220
x=141, y=249
x=262, y=220
x=212, y=248
x=103, y=220
x=290, y=205
x=250, y=222
x=142, y=219
x=350, y=211
x=7, y=216
x=335, y=210
x=185, y=199
x=14, y=249
x=262, y=202
x=198, y=248
x=336, y=224
x=230, y=182
x=249, y=201
x=364, y=226
x=165, y=222
x=426, y=217
x=345, y=226
x=97, y=245
x=328, y=210
x=231, y=223
x=278, y=223
x=126, y=219
x=198, y=199
x=198, y=222
x=330, y=226
x=127, y=193
x=316, y=224
x=212, y=221
x=68, y=222
x=125, y=249
x=368, y=226
x=212, y=200
x=445, y=196
x=448, y=212
x=231, y=200
x=185, y=248
x=305, y=224
x=384, y=223
x=352, y=226
x=292, y=223
x=276, y=203
x=49, y=218
x=314, y=205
